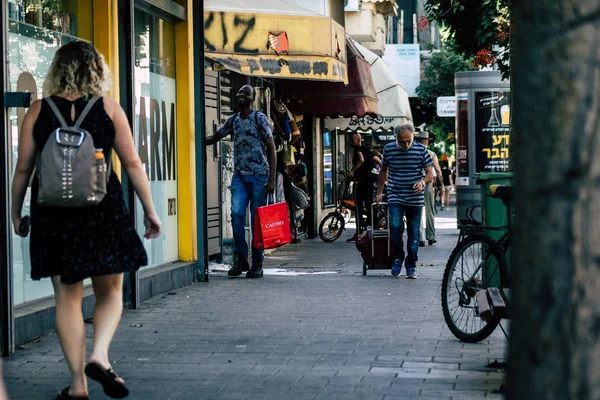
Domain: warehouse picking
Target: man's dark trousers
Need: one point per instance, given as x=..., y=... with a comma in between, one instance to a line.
x=364, y=199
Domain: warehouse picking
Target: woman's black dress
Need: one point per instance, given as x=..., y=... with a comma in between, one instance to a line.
x=78, y=243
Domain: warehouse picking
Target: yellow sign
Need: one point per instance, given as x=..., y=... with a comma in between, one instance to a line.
x=312, y=48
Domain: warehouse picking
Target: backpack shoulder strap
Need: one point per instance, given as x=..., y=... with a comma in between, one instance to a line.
x=56, y=112
x=257, y=123
x=85, y=111
x=231, y=124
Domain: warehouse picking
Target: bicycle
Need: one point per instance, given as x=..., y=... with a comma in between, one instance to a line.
x=333, y=224
x=476, y=283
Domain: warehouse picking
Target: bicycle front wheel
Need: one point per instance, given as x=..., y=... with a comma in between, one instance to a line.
x=331, y=227
x=471, y=268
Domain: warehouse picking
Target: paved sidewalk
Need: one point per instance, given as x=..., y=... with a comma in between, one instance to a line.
x=312, y=328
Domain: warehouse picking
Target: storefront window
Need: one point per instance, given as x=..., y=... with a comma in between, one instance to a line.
x=36, y=30
x=155, y=134
x=328, y=199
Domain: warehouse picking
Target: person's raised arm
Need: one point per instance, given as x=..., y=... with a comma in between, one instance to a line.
x=132, y=164
x=222, y=132
x=25, y=164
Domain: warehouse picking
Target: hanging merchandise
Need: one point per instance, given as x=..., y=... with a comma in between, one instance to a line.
x=267, y=95
x=289, y=155
x=295, y=132
x=301, y=199
x=287, y=129
x=259, y=99
x=279, y=107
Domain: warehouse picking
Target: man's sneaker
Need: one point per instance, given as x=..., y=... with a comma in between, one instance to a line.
x=238, y=267
x=410, y=273
x=255, y=272
x=397, y=268
x=421, y=243
x=432, y=242
x=354, y=238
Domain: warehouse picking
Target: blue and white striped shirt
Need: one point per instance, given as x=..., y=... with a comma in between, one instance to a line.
x=405, y=168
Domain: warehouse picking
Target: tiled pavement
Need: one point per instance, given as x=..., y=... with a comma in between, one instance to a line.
x=312, y=328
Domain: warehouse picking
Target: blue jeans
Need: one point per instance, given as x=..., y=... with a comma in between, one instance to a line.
x=246, y=189
x=413, y=223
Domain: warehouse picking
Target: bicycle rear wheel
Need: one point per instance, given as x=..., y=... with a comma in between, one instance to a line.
x=331, y=227
x=463, y=278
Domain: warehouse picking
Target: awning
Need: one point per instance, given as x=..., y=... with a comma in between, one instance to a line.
x=274, y=39
x=394, y=107
x=334, y=99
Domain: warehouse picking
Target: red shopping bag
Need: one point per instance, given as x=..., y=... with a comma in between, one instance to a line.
x=272, y=226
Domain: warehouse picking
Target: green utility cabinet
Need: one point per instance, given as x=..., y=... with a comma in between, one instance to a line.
x=494, y=215
x=493, y=210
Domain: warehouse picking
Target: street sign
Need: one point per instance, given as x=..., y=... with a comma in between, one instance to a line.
x=446, y=106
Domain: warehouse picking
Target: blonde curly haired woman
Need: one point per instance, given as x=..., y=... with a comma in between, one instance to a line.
x=72, y=244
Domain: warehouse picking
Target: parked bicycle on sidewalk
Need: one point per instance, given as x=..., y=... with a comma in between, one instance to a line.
x=333, y=224
x=476, y=283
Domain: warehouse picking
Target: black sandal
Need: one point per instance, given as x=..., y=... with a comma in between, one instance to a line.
x=108, y=379
x=64, y=395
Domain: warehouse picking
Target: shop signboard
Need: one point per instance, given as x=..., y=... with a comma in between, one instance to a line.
x=446, y=106
x=405, y=61
x=462, y=139
x=384, y=137
x=492, y=131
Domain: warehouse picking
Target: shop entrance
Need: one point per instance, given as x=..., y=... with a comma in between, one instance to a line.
x=213, y=164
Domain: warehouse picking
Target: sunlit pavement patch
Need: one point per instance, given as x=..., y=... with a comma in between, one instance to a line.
x=216, y=268
x=283, y=272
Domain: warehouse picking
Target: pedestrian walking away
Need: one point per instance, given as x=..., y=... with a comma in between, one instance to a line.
x=427, y=231
x=446, y=181
x=402, y=166
x=364, y=161
x=72, y=243
x=254, y=175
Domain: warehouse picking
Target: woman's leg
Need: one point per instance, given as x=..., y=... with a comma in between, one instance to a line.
x=71, y=330
x=3, y=395
x=107, y=314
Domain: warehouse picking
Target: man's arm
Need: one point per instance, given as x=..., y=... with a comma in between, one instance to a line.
x=383, y=175
x=223, y=131
x=419, y=187
x=214, y=138
x=359, y=162
x=438, y=170
x=428, y=174
x=377, y=160
x=272, y=158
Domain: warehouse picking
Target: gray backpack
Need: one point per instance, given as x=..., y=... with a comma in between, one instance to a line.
x=71, y=172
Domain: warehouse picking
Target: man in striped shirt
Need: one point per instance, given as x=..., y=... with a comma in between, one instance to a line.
x=402, y=166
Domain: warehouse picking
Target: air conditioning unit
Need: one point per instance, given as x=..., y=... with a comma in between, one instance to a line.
x=352, y=5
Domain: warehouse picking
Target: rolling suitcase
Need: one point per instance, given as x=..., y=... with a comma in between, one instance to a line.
x=375, y=246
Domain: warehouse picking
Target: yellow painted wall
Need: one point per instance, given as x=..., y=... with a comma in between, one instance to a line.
x=186, y=179
x=106, y=42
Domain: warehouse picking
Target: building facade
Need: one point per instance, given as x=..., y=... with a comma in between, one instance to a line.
x=148, y=47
